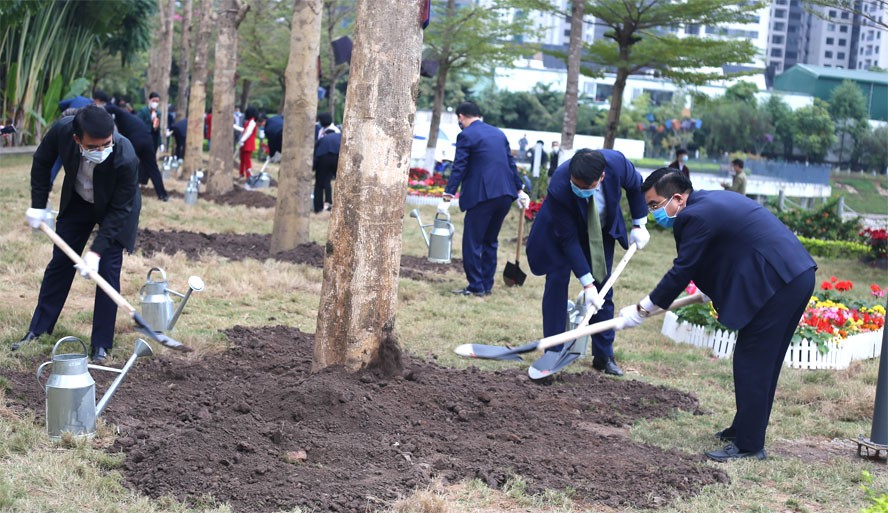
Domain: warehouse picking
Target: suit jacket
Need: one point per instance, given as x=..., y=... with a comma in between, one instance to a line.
x=560, y=234
x=133, y=128
x=328, y=144
x=115, y=181
x=681, y=167
x=145, y=115
x=483, y=167
x=735, y=251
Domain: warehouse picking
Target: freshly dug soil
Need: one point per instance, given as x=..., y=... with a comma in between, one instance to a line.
x=254, y=245
x=236, y=196
x=253, y=427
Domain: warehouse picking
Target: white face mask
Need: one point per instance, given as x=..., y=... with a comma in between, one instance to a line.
x=97, y=156
x=154, y=105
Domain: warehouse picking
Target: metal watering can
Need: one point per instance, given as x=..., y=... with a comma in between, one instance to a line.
x=575, y=313
x=71, y=392
x=157, y=305
x=440, y=239
x=166, y=167
x=193, y=188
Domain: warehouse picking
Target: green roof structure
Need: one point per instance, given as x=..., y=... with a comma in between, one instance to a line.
x=819, y=81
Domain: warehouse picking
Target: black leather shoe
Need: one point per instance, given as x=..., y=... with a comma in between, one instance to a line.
x=29, y=336
x=732, y=452
x=165, y=197
x=467, y=292
x=726, y=435
x=99, y=355
x=608, y=365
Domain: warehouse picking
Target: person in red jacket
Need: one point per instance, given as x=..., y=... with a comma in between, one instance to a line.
x=247, y=142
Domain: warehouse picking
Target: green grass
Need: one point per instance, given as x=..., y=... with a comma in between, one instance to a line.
x=811, y=407
x=693, y=165
x=861, y=192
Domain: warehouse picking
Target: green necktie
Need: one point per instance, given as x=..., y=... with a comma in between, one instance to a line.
x=596, y=244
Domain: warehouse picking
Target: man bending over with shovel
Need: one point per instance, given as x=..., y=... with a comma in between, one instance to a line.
x=100, y=187
x=575, y=231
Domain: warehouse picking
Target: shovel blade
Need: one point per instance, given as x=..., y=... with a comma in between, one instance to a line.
x=513, y=275
x=160, y=338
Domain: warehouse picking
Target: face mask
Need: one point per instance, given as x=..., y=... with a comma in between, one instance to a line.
x=96, y=156
x=154, y=105
x=684, y=158
x=582, y=193
x=662, y=218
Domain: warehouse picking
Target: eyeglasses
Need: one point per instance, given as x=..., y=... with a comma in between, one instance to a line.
x=655, y=206
x=93, y=147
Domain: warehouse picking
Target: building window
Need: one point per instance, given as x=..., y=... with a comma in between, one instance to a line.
x=777, y=40
x=843, y=29
x=845, y=15
x=780, y=2
x=792, y=55
x=843, y=42
x=832, y=14
x=567, y=33
x=776, y=52
x=780, y=26
x=830, y=27
x=692, y=30
x=830, y=41
x=827, y=54
x=840, y=55
x=780, y=13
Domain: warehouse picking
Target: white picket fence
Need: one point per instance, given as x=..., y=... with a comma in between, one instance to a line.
x=803, y=355
x=416, y=199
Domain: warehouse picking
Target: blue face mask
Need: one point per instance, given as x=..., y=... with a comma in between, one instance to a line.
x=582, y=193
x=662, y=218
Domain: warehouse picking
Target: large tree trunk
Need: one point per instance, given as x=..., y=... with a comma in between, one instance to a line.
x=291, y=215
x=197, y=97
x=616, y=107
x=229, y=17
x=160, y=59
x=571, y=92
x=440, y=85
x=184, y=60
x=356, y=318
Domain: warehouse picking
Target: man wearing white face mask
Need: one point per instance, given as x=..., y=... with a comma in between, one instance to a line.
x=150, y=115
x=575, y=232
x=100, y=188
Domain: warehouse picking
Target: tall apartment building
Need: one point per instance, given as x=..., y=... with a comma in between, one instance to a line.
x=872, y=42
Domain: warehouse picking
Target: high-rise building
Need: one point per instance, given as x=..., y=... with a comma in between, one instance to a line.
x=872, y=40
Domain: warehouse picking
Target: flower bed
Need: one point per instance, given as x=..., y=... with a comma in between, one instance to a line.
x=831, y=333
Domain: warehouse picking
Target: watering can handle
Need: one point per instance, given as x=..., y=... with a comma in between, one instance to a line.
x=68, y=339
x=163, y=274
x=40, y=373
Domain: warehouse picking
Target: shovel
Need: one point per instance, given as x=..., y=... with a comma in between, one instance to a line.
x=512, y=274
x=115, y=296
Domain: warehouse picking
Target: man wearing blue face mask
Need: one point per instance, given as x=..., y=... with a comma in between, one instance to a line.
x=575, y=232
x=759, y=277
x=100, y=188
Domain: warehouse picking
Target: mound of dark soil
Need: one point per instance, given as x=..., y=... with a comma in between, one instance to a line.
x=253, y=427
x=236, y=196
x=254, y=245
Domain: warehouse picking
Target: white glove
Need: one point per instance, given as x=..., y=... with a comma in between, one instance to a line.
x=523, y=200
x=444, y=207
x=35, y=216
x=162, y=148
x=591, y=300
x=91, y=263
x=629, y=317
x=640, y=236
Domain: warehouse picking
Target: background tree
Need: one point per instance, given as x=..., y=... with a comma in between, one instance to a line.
x=872, y=152
x=160, y=58
x=636, y=41
x=814, y=131
x=847, y=106
x=228, y=18
x=338, y=15
x=356, y=317
x=291, y=215
x=197, y=97
x=263, y=49
x=182, y=86
x=467, y=38
x=782, y=120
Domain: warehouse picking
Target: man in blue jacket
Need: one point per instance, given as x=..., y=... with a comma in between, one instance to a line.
x=758, y=276
x=559, y=241
x=485, y=172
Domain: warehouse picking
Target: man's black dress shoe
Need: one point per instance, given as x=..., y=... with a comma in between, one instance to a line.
x=726, y=435
x=29, y=336
x=732, y=452
x=467, y=292
x=608, y=365
x=99, y=355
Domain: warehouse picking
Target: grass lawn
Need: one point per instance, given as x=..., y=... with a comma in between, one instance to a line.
x=863, y=193
x=814, y=412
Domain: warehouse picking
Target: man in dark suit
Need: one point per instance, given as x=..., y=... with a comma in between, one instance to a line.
x=274, y=131
x=758, y=276
x=559, y=241
x=137, y=132
x=100, y=187
x=485, y=173
x=326, y=158
x=681, y=161
x=179, y=131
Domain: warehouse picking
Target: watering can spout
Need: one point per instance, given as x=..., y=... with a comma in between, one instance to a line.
x=142, y=349
x=195, y=284
x=415, y=214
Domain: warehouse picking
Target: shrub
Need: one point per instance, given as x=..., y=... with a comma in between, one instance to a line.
x=823, y=223
x=835, y=248
x=876, y=240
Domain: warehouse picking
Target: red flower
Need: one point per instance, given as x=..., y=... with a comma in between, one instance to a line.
x=826, y=286
x=833, y=279
x=844, y=286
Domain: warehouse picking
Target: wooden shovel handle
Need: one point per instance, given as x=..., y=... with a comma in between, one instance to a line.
x=104, y=285
x=612, y=279
x=520, y=235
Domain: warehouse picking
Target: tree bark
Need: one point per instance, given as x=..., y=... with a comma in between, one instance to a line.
x=160, y=59
x=616, y=107
x=229, y=17
x=571, y=92
x=197, y=97
x=291, y=215
x=184, y=60
x=440, y=85
x=356, y=318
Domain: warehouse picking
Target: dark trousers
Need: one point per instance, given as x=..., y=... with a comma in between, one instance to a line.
x=555, y=297
x=325, y=172
x=75, y=227
x=758, y=359
x=148, y=169
x=479, y=243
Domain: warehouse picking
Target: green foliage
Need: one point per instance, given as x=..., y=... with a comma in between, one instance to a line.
x=701, y=315
x=814, y=131
x=822, y=223
x=263, y=50
x=735, y=122
x=878, y=499
x=871, y=151
x=835, y=248
x=782, y=120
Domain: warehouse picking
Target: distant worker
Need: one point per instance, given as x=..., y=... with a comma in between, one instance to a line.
x=738, y=183
x=138, y=134
x=681, y=161
x=150, y=115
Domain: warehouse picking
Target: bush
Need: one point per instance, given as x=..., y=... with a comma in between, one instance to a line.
x=823, y=223
x=835, y=248
x=876, y=239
